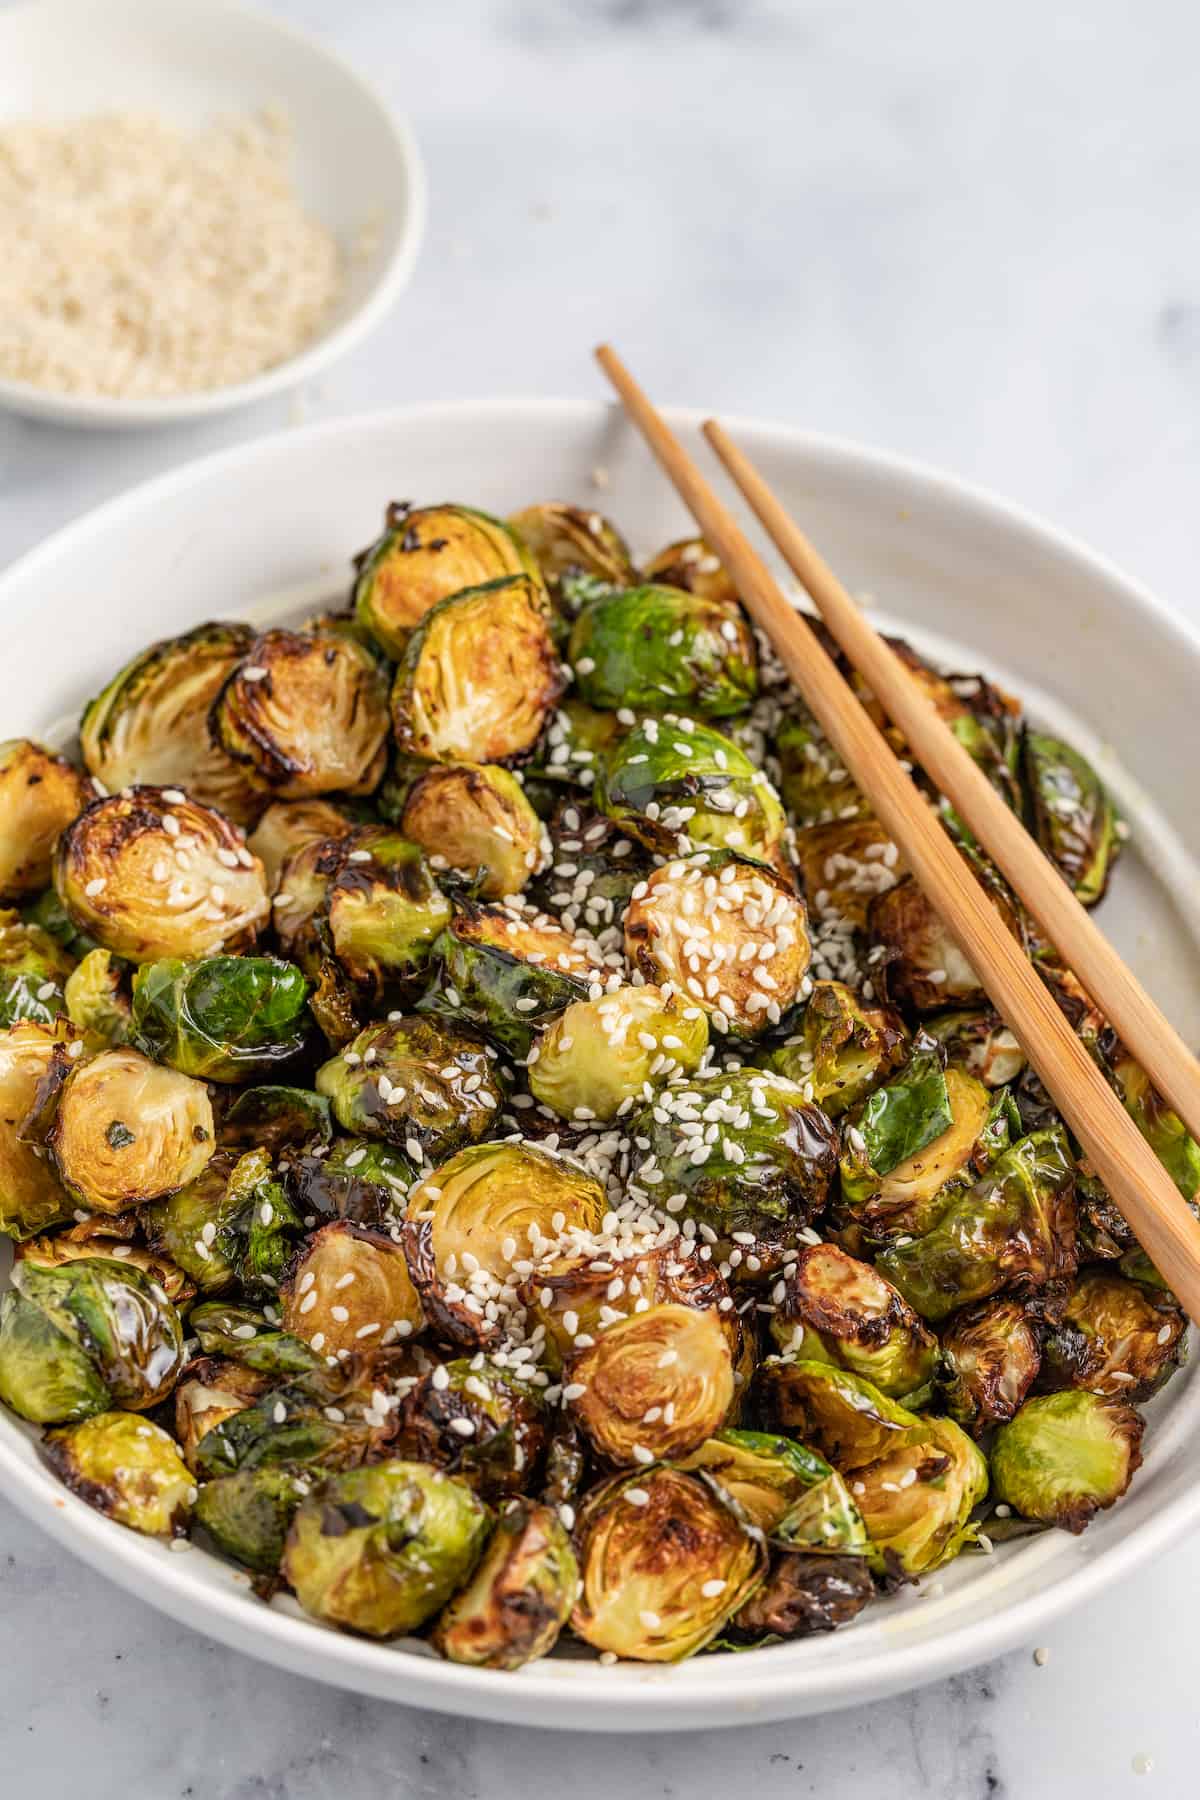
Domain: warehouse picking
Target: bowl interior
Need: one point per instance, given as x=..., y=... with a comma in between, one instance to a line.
x=267, y=532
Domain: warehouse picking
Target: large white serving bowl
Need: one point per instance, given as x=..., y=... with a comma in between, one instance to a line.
x=267, y=530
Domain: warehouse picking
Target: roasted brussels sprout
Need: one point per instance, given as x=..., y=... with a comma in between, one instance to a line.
x=1163, y=1130
x=843, y=1417
x=805, y=1594
x=225, y=1329
x=353, y=1179
x=653, y=647
x=991, y=1354
x=894, y=1124
x=678, y=786
x=126, y=1468
x=599, y=1056
x=980, y=1043
x=689, y=563
x=479, y=677
x=728, y=934
x=224, y=1018
x=519, y=1598
x=127, y=1131
x=1014, y=1231
x=305, y=713
x=348, y=1289
x=509, y=972
x=273, y=1118
x=653, y=1385
x=425, y=556
x=1074, y=818
x=475, y=818
x=480, y=1421
x=31, y=1196
x=380, y=1550
x=569, y=541
x=83, y=1337
x=247, y=1515
x=1115, y=1338
x=383, y=912
x=290, y=825
x=575, y=1296
x=34, y=969
x=96, y=1001
x=576, y=739
x=208, y=1392
x=814, y=783
x=424, y=1085
x=40, y=795
x=57, y=1248
x=921, y=965
x=781, y=1489
x=232, y=1226
x=838, y=1309
x=149, y=726
x=843, y=1049
x=917, y=1499
x=845, y=867
x=51, y=916
x=335, y=1416
x=151, y=874
x=1066, y=1457
x=664, y=1564
x=593, y=870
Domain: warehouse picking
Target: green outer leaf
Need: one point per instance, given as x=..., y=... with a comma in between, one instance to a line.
x=693, y=796
x=656, y=646
x=902, y=1117
x=1074, y=818
x=272, y=1116
x=221, y=1018
x=247, y=1514
x=220, y=1327
x=44, y=1374
x=481, y=983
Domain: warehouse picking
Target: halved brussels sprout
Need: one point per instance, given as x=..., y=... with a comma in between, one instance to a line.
x=845, y=868
x=593, y=870
x=305, y=713
x=96, y=1001
x=842, y=1416
x=149, y=726
x=150, y=873
x=1066, y=1457
x=34, y=969
x=570, y=541
x=991, y=1354
x=917, y=1499
x=85, y=1336
x=664, y=1565
x=335, y=1416
x=365, y=1182
x=478, y=1420
x=247, y=1514
x=782, y=1489
x=427, y=1086
x=857, y=1320
x=379, y=1551
x=805, y=1594
x=383, y=912
x=894, y=1124
x=290, y=825
x=233, y=1226
x=208, y=1392
x=600, y=1055
x=980, y=1043
x=1013, y=1231
x=519, y=1598
x=223, y=1328
x=479, y=677
x=678, y=786
x=127, y=1469
x=475, y=818
x=349, y=1289
x=273, y=1118
x=127, y=1131
x=40, y=795
x=425, y=556
x=570, y=1297
x=650, y=647
x=57, y=1248
x=653, y=1385
x=814, y=783
x=509, y=972
x=1163, y=1130
x=730, y=935
x=31, y=1196
x=224, y=1018
x=843, y=1049
x=1075, y=819
x=690, y=563
x=1116, y=1338
x=921, y=966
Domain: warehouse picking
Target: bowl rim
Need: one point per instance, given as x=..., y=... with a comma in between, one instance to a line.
x=102, y=410
x=626, y=1697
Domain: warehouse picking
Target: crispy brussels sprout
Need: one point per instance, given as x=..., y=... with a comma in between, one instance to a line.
x=814, y=783
x=894, y=1124
x=208, y=1392
x=366, y=1183
x=917, y=1499
x=1013, y=1231
x=223, y=1328
x=843, y=1048
x=782, y=1489
x=233, y=1226
x=805, y=1594
x=991, y=1354
x=1066, y=1457
x=40, y=795
x=127, y=1131
x=380, y=1550
x=91, y=1334
x=476, y=819
x=348, y=1288
x=290, y=825
x=34, y=969
x=980, y=1043
x=151, y=874
x=650, y=647
x=509, y=972
x=838, y=1309
x=247, y=1515
x=1115, y=1338
x=570, y=541
x=570, y=1299
x=845, y=867
x=425, y=556
x=729, y=935
x=1163, y=1130
x=478, y=1420
x=127, y=1469
x=652, y=1385
x=600, y=1055
x=96, y=1001
x=305, y=713
x=224, y=1018
x=60, y=1247
x=664, y=1565
x=520, y=1596
x=479, y=677
x=1074, y=818
x=149, y=726
x=689, y=563
x=31, y=1196
x=678, y=786
x=383, y=911
x=425, y=1085
x=842, y=1416
x=273, y=1118
x=922, y=967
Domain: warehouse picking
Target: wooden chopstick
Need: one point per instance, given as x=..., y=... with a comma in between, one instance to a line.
x=1146, y=1034
x=1132, y=1173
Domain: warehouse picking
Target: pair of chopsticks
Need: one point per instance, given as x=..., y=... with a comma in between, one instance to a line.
x=1134, y=1177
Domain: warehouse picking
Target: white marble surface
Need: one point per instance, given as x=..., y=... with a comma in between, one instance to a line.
x=968, y=234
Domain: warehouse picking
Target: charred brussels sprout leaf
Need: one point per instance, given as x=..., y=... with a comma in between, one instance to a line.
x=238, y=1332
x=325, y=1419
x=425, y=556
x=128, y=1131
x=991, y=1355
x=843, y=1048
x=40, y=795
x=837, y=1309
x=1074, y=818
x=842, y=1416
x=519, y=1598
x=127, y=1469
x=96, y=1001
x=654, y=647
x=480, y=1422
x=1115, y=1338
x=508, y=972
x=600, y=1055
x=247, y=1515
x=209, y=1392
x=980, y=1043
x=475, y=818
x=34, y=969
x=895, y=1123
x=291, y=825
x=424, y=1085
x=32, y=1056
x=225, y=1018
x=380, y=1550
x=384, y=911
x=690, y=563
x=273, y=1118
x=782, y=1489
x=365, y=1182
x=49, y=913
x=922, y=967
x=348, y=1289
x=707, y=794
x=1065, y=1457
x=917, y=1499
x=55, y=1249
x=233, y=1226
x=600, y=869
x=806, y=1594
x=1163, y=1130
x=652, y=1385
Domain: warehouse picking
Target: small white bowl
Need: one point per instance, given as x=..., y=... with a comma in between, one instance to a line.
x=356, y=165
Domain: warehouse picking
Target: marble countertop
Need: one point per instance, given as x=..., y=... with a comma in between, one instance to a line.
x=966, y=235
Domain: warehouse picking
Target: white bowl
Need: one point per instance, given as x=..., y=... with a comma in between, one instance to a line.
x=267, y=530
x=356, y=165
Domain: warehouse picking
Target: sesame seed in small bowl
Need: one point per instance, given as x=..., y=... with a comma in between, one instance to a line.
x=200, y=207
